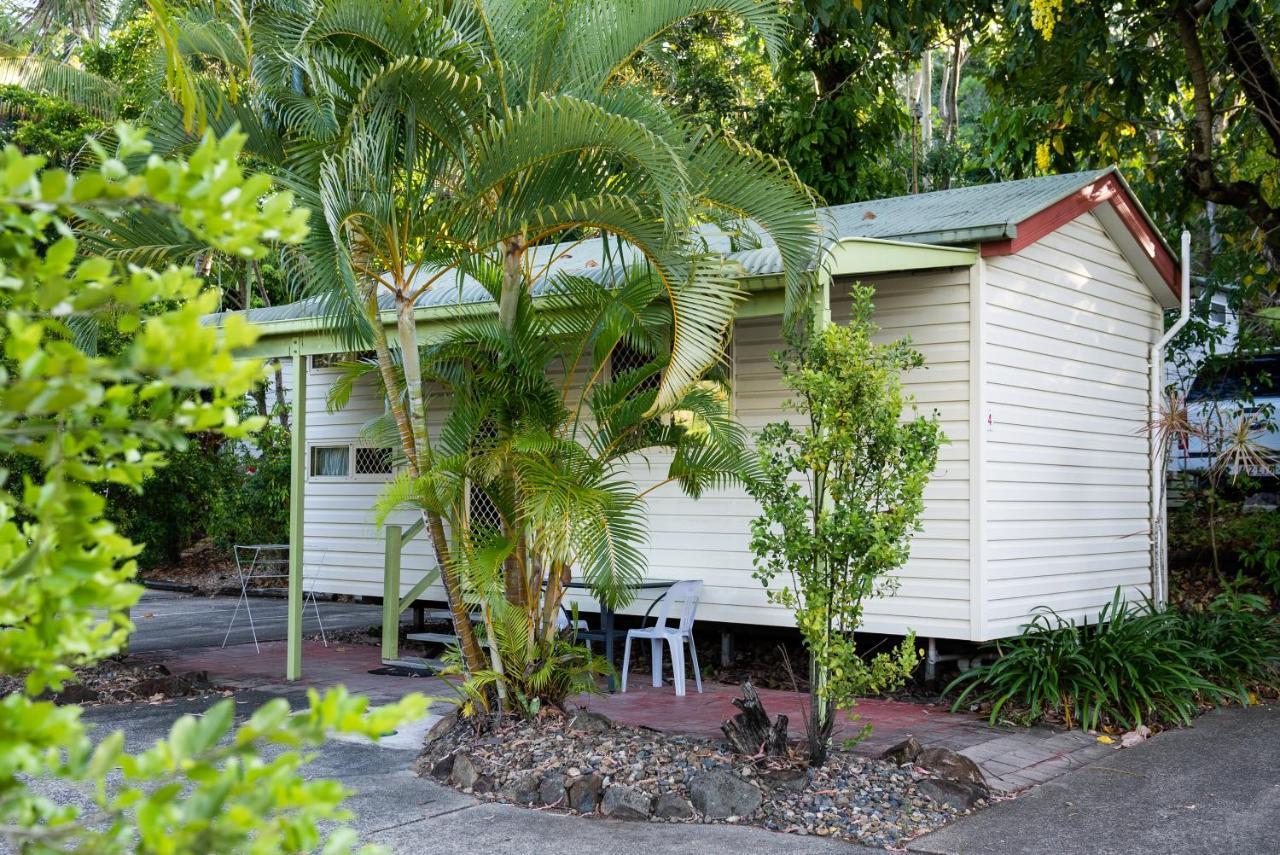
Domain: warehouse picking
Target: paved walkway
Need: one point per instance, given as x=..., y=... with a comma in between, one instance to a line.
x=417, y=816
x=1211, y=789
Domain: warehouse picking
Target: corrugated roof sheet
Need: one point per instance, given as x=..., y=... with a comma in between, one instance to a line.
x=964, y=215
x=948, y=216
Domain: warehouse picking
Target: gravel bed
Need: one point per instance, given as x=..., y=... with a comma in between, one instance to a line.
x=589, y=765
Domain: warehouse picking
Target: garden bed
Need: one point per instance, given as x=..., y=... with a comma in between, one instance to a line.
x=586, y=764
x=115, y=681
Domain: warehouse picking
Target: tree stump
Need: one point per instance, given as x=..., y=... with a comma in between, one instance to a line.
x=749, y=732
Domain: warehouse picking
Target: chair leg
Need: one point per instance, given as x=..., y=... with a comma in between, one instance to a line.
x=655, y=648
x=677, y=663
x=626, y=661
x=693, y=655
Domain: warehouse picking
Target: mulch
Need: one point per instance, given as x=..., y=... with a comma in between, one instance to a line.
x=122, y=681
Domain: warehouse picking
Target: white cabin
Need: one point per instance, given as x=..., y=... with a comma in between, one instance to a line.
x=1035, y=303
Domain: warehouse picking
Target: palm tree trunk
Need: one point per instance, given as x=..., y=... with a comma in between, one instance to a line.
x=413, y=432
x=512, y=281
x=508, y=303
x=472, y=654
x=391, y=382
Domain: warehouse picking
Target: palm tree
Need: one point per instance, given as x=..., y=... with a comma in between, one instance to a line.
x=539, y=430
x=433, y=144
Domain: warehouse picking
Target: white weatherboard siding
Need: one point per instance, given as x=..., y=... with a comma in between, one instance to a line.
x=932, y=309
x=708, y=538
x=344, y=548
x=1067, y=469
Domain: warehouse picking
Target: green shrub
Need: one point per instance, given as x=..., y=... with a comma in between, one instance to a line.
x=1247, y=541
x=1241, y=647
x=176, y=504
x=1134, y=665
x=252, y=502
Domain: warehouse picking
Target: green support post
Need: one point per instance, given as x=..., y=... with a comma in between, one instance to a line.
x=391, y=594
x=297, y=482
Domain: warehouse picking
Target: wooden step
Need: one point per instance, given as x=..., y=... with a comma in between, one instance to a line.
x=439, y=638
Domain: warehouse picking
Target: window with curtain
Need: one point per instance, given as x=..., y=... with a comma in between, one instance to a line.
x=330, y=461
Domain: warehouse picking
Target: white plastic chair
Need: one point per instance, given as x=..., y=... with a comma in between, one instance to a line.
x=676, y=637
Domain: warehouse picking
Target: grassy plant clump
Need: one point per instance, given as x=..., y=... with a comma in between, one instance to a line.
x=1134, y=665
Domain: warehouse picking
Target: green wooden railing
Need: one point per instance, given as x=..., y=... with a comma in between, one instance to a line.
x=394, y=605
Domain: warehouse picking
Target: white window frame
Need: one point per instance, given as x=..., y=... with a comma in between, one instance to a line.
x=376, y=477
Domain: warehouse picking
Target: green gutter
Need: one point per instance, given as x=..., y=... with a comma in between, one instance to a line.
x=846, y=257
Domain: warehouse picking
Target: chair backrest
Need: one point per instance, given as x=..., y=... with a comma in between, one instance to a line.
x=686, y=593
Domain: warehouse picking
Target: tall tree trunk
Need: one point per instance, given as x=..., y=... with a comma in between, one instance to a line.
x=282, y=410
x=450, y=577
x=513, y=283
x=1256, y=71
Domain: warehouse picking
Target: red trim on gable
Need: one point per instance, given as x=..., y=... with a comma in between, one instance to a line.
x=1106, y=189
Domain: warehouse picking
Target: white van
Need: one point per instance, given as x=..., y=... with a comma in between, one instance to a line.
x=1225, y=391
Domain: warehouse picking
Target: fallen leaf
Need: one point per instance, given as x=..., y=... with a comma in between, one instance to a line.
x=1105, y=740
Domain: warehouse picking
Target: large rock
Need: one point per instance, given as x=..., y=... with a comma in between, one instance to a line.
x=586, y=721
x=621, y=802
x=672, y=806
x=551, y=789
x=523, y=790
x=441, y=768
x=720, y=794
x=442, y=726
x=953, y=793
x=464, y=773
x=584, y=793
x=945, y=763
x=905, y=751
x=789, y=778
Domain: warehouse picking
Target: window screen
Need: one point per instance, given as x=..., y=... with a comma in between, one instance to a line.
x=482, y=513
x=626, y=358
x=373, y=461
x=330, y=461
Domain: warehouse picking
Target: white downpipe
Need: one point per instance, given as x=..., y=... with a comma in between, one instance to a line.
x=1159, y=517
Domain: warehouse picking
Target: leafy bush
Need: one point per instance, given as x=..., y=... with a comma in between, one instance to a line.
x=1240, y=646
x=531, y=671
x=1134, y=665
x=824, y=549
x=91, y=418
x=252, y=500
x=1246, y=541
x=176, y=504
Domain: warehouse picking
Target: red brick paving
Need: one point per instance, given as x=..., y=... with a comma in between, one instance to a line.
x=348, y=664
x=701, y=715
x=1011, y=758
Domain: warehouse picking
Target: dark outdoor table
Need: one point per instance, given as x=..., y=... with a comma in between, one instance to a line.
x=606, y=632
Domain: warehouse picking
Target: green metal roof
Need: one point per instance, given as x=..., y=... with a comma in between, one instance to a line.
x=963, y=215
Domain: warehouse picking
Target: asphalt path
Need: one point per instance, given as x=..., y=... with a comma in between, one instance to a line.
x=175, y=621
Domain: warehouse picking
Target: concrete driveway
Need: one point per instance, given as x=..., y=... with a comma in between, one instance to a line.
x=173, y=621
x=1204, y=790
x=1211, y=789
